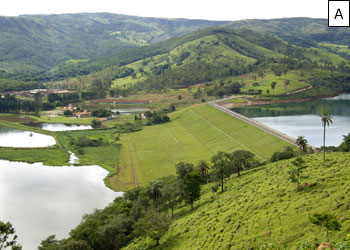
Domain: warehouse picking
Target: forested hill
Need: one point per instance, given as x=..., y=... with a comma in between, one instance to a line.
x=211, y=54
x=46, y=48
x=307, y=31
x=40, y=42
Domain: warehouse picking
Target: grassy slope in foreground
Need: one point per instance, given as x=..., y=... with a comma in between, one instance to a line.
x=262, y=207
x=193, y=134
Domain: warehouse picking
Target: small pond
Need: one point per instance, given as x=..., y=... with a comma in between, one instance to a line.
x=130, y=111
x=16, y=118
x=10, y=137
x=58, y=126
x=40, y=201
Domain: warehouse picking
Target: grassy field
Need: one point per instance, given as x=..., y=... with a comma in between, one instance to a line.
x=51, y=156
x=263, y=207
x=63, y=119
x=193, y=134
x=295, y=78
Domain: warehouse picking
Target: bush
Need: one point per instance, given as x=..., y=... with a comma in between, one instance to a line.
x=96, y=123
x=286, y=154
x=67, y=113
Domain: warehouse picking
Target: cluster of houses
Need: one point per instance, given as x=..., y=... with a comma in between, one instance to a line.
x=77, y=114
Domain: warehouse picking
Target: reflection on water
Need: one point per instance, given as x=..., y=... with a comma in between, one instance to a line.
x=24, y=139
x=73, y=159
x=310, y=127
x=16, y=118
x=296, y=119
x=59, y=126
x=40, y=201
x=130, y=111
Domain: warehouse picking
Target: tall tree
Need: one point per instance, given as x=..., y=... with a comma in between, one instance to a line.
x=192, y=187
x=153, y=225
x=241, y=159
x=326, y=119
x=302, y=143
x=203, y=169
x=286, y=83
x=182, y=169
x=153, y=191
x=329, y=221
x=171, y=192
x=273, y=86
x=221, y=167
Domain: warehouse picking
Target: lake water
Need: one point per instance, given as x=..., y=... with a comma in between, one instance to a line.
x=130, y=111
x=16, y=118
x=295, y=119
x=58, y=126
x=10, y=137
x=40, y=201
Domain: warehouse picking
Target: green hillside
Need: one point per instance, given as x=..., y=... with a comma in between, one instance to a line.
x=263, y=208
x=40, y=42
x=214, y=56
x=304, y=31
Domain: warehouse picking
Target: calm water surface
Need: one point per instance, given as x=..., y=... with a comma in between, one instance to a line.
x=295, y=119
x=40, y=201
x=130, y=111
x=10, y=137
x=59, y=126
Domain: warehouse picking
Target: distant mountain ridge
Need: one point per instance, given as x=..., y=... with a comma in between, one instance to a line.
x=34, y=43
x=309, y=29
x=40, y=42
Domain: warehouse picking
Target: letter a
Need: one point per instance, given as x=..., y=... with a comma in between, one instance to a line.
x=340, y=14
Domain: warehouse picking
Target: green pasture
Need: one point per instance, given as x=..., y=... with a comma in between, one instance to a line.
x=51, y=156
x=193, y=134
x=337, y=47
x=321, y=55
x=63, y=119
x=297, y=80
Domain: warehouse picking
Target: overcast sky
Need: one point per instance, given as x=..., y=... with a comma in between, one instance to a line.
x=192, y=9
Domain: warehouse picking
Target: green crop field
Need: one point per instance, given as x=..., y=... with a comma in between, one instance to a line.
x=263, y=208
x=193, y=134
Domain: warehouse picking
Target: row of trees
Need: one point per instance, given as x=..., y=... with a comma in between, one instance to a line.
x=11, y=104
x=155, y=117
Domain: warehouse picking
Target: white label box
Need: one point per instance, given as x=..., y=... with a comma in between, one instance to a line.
x=338, y=13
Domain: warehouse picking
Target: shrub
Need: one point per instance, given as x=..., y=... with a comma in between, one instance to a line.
x=67, y=113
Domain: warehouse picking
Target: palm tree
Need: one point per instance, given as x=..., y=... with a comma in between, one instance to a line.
x=203, y=169
x=153, y=190
x=326, y=119
x=302, y=143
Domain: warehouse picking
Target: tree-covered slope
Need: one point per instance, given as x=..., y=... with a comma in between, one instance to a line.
x=306, y=31
x=262, y=207
x=207, y=54
x=40, y=42
x=203, y=56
